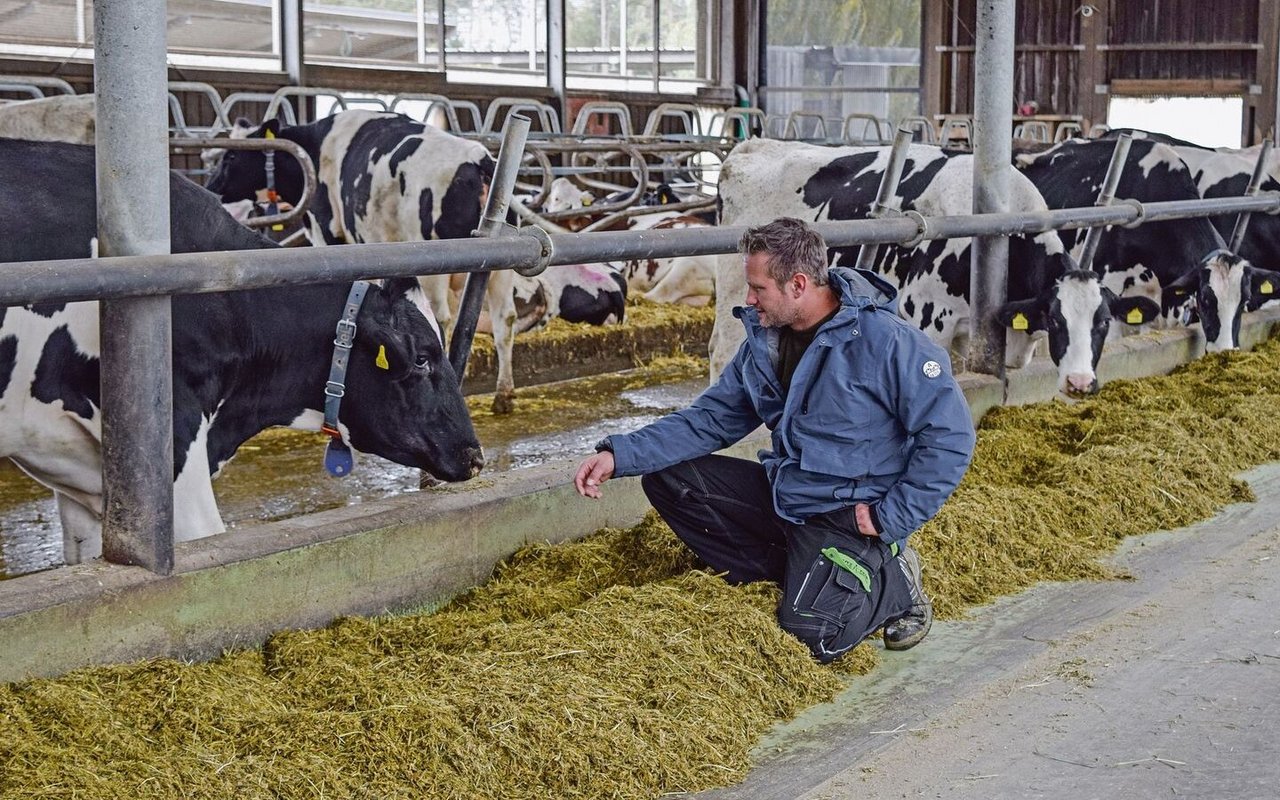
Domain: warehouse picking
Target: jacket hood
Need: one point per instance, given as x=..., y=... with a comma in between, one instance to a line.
x=860, y=288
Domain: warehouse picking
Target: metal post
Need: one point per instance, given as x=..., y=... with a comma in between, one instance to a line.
x=492, y=224
x=1255, y=184
x=441, y=34
x=556, y=60
x=1106, y=195
x=292, y=55
x=130, y=80
x=656, y=34
x=992, y=155
x=884, y=197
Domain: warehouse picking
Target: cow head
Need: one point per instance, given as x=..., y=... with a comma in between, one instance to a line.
x=564, y=195
x=663, y=195
x=402, y=397
x=1075, y=314
x=211, y=157
x=1216, y=293
x=242, y=174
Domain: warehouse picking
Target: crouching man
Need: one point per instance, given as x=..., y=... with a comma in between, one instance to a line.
x=870, y=435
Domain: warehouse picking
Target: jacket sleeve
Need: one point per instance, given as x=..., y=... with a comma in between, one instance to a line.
x=932, y=409
x=720, y=416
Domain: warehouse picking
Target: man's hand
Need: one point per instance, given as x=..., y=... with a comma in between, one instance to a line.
x=862, y=513
x=593, y=472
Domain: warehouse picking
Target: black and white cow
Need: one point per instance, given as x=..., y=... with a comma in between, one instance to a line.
x=763, y=179
x=685, y=280
x=1162, y=260
x=242, y=361
x=386, y=178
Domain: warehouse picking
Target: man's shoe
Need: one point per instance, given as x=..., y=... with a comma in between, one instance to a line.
x=908, y=631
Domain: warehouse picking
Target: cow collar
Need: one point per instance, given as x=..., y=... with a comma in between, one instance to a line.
x=337, y=456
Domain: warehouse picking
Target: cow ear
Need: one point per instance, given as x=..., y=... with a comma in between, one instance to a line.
x=1134, y=310
x=401, y=287
x=269, y=130
x=1180, y=292
x=1024, y=316
x=1264, y=285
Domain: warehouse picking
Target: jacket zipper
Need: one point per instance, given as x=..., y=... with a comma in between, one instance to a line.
x=822, y=362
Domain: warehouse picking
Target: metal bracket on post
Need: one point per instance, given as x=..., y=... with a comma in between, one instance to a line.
x=882, y=206
x=544, y=256
x=922, y=229
x=492, y=225
x=1255, y=184
x=1136, y=205
x=1106, y=196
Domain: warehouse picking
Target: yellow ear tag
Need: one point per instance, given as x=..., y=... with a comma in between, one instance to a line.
x=381, y=360
x=270, y=135
x=1019, y=322
x=587, y=200
x=1266, y=287
x=1134, y=316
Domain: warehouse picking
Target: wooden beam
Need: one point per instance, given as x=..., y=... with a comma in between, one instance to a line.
x=1264, y=105
x=933, y=25
x=1219, y=87
x=1178, y=47
x=1091, y=69
x=1021, y=48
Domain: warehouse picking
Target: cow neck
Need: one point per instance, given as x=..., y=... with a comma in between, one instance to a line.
x=337, y=455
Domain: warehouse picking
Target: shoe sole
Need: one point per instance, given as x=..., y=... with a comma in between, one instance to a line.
x=907, y=644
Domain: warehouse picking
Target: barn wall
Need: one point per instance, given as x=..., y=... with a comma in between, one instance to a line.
x=1069, y=62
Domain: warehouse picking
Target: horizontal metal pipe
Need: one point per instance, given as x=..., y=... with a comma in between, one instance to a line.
x=188, y=273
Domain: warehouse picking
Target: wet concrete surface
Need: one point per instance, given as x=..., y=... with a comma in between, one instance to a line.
x=280, y=473
x=1164, y=686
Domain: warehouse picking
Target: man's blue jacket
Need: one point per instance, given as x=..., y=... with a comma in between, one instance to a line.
x=873, y=415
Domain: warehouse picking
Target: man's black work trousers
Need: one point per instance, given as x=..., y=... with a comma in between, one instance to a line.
x=838, y=586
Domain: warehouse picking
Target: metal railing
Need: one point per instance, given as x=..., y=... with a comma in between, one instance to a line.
x=187, y=273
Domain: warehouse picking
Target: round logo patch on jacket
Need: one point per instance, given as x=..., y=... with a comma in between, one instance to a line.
x=932, y=369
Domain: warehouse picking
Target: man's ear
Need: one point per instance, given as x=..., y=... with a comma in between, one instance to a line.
x=798, y=283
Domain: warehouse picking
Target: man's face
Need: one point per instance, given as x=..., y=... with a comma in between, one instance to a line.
x=777, y=307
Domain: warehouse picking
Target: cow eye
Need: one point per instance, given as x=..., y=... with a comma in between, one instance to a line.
x=423, y=364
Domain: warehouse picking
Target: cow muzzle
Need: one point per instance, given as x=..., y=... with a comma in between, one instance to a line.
x=476, y=457
x=1080, y=385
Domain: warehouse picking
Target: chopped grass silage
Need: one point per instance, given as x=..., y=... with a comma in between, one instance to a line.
x=611, y=667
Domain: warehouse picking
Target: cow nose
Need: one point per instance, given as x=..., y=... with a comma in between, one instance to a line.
x=1082, y=384
x=476, y=457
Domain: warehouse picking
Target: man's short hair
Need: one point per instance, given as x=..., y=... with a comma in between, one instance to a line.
x=792, y=246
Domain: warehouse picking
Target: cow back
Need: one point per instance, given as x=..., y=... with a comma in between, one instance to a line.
x=59, y=220
x=1071, y=175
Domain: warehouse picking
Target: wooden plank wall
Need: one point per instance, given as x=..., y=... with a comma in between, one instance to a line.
x=1071, y=56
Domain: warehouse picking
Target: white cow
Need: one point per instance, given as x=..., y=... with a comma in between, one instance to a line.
x=763, y=179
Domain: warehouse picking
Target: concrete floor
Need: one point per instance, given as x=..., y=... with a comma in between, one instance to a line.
x=1164, y=686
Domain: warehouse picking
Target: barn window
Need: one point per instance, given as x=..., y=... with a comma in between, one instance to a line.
x=825, y=61
x=1206, y=121
x=610, y=44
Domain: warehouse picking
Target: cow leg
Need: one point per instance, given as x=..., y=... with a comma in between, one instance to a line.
x=81, y=530
x=502, y=316
x=688, y=281
x=195, y=510
x=727, y=332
